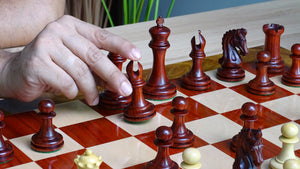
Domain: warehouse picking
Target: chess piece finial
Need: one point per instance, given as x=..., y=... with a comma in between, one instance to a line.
x=196, y=79
x=272, y=45
x=160, y=21
x=191, y=157
x=182, y=137
x=47, y=139
x=292, y=77
x=88, y=160
x=231, y=63
x=6, y=150
x=291, y=164
x=288, y=138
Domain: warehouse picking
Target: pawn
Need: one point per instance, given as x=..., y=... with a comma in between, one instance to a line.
x=292, y=77
x=196, y=79
x=291, y=164
x=6, y=150
x=88, y=160
x=46, y=139
x=139, y=109
x=261, y=84
x=288, y=138
x=163, y=141
x=248, y=116
x=182, y=137
x=191, y=158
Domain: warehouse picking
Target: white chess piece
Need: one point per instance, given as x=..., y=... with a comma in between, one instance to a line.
x=88, y=160
x=191, y=158
x=291, y=164
x=288, y=138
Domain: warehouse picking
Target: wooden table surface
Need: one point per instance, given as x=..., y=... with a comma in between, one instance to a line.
x=213, y=24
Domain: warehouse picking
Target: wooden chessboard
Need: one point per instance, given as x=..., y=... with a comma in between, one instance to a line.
x=213, y=118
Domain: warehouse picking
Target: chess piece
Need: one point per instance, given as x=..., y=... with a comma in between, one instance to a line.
x=261, y=84
x=6, y=150
x=158, y=87
x=163, y=141
x=46, y=139
x=272, y=45
x=139, y=109
x=191, y=158
x=231, y=63
x=182, y=137
x=88, y=160
x=196, y=79
x=291, y=164
x=249, y=116
x=111, y=100
x=248, y=149
x=288, y=138
x=292, y=77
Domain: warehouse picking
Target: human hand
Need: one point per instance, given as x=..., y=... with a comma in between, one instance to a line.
x=66, y=57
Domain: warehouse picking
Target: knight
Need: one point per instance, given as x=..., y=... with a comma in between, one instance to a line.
x=231, y=69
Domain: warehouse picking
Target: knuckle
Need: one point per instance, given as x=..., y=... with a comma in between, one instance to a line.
x=102, y=35
x=94, y=55
x=83, y=70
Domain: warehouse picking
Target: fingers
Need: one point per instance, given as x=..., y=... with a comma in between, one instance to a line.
x=104, y=39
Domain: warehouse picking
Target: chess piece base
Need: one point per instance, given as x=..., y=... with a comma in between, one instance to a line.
x=151, y=165
x=112, y=101
x=183, y=141
x=196, y=83
x=275, y=164
x=276, y=67
x=51, y=145
x=164, y=92
x=140, y=113
x=263, y=90
x=6, y=154
x=231, y=74
x=289, y=80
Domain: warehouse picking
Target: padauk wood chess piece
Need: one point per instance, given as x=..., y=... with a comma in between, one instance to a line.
x=272, y=45
x=261, y=84
x=231, y=69
x=139, y=109
x=111, y=100
x=182, y=137
x=196, y=79
x=47, y=139
x=292, y=77
x=158, y=87
x=163, y=141
x=6, y=150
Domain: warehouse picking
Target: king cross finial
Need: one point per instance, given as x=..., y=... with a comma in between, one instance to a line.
x=160, y=21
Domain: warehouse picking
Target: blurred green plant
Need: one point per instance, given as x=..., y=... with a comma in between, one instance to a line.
x=132, y=10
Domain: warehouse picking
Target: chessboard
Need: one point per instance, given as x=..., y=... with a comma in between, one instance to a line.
x=213, y=118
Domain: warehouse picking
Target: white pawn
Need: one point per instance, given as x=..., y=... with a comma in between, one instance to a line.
x=191, y=158
x=288, y=138
x=88, y=160
x=291, y=164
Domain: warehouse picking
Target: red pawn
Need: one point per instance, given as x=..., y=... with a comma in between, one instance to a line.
x=6, y=150
x=47, y=139
x=182, y=137
x=261, y=84
x=163, y=141
x=292, y=77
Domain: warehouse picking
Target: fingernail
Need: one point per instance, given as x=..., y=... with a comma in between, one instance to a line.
x=126, y=89
x=136, y=54
x=95, y=102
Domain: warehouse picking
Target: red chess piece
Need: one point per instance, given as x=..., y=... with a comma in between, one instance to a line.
x=139, y=109
x=158, y=87
x=111, y=100
x=249, y=116
x=182, y=137
x=46, y=139
x=196, y=79
x=163, y=141
x=6, y=150
x=272, y=45
x=261, y=84
x=292, y=77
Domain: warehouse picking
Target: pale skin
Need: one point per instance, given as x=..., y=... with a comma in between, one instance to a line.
x=62, y=54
